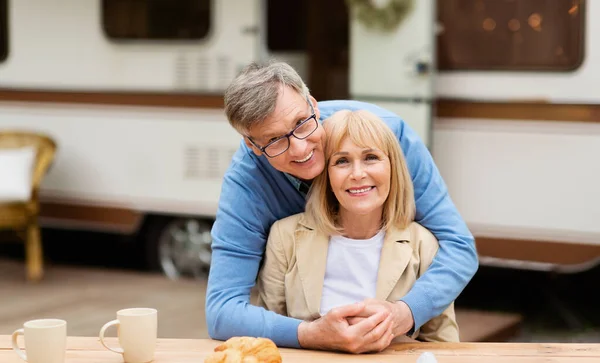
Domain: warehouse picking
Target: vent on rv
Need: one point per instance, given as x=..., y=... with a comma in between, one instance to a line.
x=203, y=73
x=207, y=162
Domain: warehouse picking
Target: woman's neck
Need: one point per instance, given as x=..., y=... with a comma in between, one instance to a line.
x=360, y=226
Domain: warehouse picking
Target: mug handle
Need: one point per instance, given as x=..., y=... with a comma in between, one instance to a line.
x=15, y=345
x=106, y=326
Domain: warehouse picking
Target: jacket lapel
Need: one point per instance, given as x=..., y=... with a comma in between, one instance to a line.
x=395, y=256
x=311, y=257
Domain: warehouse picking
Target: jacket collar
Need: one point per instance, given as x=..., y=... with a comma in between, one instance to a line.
x=311, y=254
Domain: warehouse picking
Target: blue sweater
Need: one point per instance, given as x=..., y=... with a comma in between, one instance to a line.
x=254, y=195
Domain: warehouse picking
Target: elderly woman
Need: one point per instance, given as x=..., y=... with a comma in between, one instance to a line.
x=357, y=238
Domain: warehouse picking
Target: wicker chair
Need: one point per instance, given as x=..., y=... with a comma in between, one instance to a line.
x=23, y=217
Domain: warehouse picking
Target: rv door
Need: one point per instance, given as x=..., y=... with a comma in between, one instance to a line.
x=392, y=64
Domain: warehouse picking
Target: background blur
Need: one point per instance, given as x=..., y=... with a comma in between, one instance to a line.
x=113, y=145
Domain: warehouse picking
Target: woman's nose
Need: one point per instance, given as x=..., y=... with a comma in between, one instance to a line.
x=358, y=172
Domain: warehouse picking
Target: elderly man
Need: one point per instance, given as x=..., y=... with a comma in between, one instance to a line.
x=269, y=176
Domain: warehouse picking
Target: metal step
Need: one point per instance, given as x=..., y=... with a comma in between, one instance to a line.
x=487, y=326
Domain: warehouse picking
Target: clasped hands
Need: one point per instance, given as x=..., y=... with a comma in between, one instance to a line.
x=367, y=326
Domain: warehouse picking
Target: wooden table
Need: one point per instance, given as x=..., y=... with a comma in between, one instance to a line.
x=89, y=350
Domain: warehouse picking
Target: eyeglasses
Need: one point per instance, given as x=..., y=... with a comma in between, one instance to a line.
x=280, y=145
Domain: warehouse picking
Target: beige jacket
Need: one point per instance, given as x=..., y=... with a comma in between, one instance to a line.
x=290, y=281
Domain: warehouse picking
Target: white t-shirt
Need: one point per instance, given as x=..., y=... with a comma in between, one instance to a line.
x=351, y=271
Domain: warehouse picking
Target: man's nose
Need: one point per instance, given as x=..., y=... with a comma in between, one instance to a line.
x=297, y=147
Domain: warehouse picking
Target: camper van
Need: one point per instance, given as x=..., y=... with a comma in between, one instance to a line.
x=505, y=93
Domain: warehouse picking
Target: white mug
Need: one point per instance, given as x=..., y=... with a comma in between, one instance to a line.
x=45, y=341
x=137, y=334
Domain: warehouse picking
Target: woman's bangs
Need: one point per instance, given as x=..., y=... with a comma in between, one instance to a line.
x=363, y=134
x=361, y=131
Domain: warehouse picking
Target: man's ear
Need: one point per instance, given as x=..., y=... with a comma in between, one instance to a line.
x=315, y=106
x=252, y=147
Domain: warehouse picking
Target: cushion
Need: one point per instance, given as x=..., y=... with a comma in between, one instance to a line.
x=16, y=174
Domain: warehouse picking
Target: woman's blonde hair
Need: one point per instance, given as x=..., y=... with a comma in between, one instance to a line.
x=364, y=129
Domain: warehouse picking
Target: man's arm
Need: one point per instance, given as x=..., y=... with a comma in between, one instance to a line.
x=456, y=260
x=237, y=249
x=442, y=328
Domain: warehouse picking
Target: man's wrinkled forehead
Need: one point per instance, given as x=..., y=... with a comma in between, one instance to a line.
x=279, y=123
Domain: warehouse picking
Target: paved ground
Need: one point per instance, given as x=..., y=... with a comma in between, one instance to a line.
x=563, y=308
x=87, y=298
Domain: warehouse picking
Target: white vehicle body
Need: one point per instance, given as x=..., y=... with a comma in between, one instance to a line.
x=141, y=130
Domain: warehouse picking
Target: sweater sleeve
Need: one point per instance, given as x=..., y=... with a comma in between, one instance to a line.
x=456, y=260
x=442, y=328
x=239, y=236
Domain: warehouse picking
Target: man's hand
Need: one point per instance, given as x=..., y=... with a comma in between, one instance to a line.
x=400, y=313
x=333, y=332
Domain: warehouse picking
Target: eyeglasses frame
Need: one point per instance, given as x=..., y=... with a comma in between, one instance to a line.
x=289, y=134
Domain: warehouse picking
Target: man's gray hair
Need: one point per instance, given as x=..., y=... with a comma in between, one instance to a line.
x=252, y=95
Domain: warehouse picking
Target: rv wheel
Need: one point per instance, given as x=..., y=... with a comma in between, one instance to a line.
x=179, y=247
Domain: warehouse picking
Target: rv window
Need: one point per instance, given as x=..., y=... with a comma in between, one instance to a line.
x=287, y=25
x=545, y=35
x=156, y=19
x=3, y=30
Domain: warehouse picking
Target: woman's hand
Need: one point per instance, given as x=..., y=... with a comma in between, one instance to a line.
x=333, y=332
x=400, y=313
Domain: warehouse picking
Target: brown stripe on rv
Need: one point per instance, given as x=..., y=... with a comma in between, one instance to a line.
x=116, y=98
x=561, y=253
x=123, y=218
x=445, y=108
x=536, y=111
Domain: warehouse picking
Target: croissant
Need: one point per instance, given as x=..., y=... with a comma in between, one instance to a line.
x=245, y=350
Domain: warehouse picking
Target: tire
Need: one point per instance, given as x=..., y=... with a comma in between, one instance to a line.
x=178, y=247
